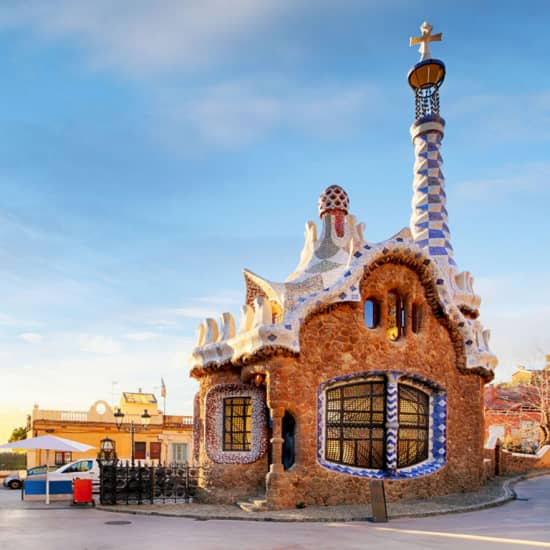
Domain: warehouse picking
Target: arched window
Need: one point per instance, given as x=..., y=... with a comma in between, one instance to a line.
x=372, y=313
x=395, y=327
x=381, y=423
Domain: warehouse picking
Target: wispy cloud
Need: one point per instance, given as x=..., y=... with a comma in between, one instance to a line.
x=190, y=312
x=138, y=35
x=10, y=321
x=517, y=315
x=236, y=114
x=97, y=343
x=229, y=299
x=141, y=336
x=31, y=337
x=530, y=179
x=503, y=117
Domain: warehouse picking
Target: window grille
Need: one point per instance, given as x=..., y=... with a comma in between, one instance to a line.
x=355, y=433
x=355, y=424
x=414, y=421
x=237, y=423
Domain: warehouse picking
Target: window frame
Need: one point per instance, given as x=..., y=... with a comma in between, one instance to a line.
x=239, y=440
x=436, y=435
x=213, y=423
x=138, y=456
x=351, y=424
x=376, y=305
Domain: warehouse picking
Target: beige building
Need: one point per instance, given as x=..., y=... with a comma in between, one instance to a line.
x=167, y=438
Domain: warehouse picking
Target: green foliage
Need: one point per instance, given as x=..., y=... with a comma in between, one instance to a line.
x=13, y=461
x=18, y=434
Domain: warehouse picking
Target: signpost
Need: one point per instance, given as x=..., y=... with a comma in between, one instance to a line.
x=378, y=501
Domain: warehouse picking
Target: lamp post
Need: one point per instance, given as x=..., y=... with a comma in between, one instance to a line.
x=132, y=427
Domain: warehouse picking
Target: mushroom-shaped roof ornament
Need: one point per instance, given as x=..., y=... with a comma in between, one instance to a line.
x=333, y=200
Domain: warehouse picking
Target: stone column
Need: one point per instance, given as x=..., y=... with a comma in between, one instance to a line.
x=392, y=421
x=276, y=465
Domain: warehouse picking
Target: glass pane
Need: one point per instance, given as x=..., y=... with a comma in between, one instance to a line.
x=355, y=432
x=372, y=313
x=412, y=445
x=237, y=424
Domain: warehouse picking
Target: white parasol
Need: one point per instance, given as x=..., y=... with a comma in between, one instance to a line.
x=48, y=443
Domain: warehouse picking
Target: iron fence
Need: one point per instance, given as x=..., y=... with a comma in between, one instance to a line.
x=147, y=484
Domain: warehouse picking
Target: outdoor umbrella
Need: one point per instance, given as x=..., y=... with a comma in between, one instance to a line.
x=48, y=443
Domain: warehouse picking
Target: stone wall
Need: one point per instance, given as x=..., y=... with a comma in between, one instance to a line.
x=336, y=343
x=519, y=462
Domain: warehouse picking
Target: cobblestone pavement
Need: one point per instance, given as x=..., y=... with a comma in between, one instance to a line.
x=496, y=492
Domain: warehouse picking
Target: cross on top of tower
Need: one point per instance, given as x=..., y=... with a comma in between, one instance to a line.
x=425, y=40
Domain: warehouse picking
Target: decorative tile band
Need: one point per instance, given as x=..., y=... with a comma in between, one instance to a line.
x=437, y=430
x=214, y=424
x=196, y=428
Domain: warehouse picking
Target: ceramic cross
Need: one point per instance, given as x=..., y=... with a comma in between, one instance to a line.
x=425, y=40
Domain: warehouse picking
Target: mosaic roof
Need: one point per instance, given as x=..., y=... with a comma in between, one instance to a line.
x=330, y=271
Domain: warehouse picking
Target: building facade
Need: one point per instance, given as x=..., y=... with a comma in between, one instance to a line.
x=166, y=439
x=517, y=412
x=367, y=362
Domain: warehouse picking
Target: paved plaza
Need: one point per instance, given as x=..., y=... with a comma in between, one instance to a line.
x=520, y=523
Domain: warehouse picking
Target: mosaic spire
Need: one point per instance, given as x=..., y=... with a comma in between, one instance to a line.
x=429, y=219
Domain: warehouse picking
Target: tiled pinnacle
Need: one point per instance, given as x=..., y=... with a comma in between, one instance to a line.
x=429, y=219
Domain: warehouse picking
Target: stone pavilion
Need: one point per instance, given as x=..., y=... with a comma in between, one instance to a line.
x=367, y=362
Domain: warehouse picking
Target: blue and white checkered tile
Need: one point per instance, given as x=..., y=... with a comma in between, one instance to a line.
x=429, y=218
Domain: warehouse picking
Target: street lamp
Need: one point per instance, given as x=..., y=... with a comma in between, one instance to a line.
x=107, y=453
x=132, y=428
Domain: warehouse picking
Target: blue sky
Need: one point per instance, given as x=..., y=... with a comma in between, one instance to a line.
x=151, y=150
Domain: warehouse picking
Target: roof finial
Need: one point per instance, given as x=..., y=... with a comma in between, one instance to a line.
x=425, y=40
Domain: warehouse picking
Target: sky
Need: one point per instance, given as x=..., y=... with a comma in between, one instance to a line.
x=149, y=151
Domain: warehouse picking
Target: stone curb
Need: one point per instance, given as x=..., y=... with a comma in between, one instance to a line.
x=507, y=486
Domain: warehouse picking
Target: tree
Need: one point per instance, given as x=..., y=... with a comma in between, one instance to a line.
x=533, y=394
x=18, y=434
x=536, y=394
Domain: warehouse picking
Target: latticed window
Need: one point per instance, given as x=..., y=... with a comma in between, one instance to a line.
x=355, y=424
x=414, y=422
x=237, y=423
x=396, y=316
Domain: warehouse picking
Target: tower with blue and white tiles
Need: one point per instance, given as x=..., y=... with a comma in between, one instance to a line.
x=429, y=219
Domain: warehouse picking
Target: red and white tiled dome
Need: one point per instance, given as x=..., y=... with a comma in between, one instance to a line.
x=333, y=198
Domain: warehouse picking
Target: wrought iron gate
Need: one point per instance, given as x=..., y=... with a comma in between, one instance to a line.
x=147, y=484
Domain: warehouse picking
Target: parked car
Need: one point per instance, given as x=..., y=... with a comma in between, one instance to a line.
x=15, y=481
x=84, y=468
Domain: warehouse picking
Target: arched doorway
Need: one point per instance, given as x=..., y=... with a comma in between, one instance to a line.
x=289, y=440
